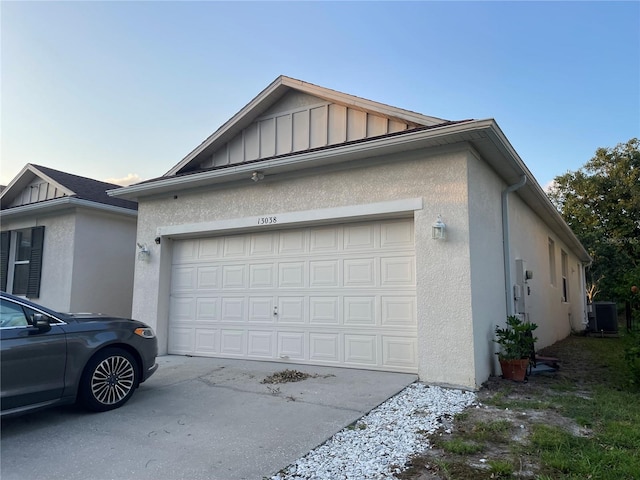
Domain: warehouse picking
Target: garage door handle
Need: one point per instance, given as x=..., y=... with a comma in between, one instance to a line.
x=275, y=311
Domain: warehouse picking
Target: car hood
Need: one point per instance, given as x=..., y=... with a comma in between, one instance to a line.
x=90, y=317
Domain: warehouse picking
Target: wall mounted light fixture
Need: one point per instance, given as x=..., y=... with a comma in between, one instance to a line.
x=438, y=229
x=257, y=176
x=143, y=253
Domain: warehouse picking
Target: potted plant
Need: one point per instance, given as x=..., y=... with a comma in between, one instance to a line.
x=516, y=342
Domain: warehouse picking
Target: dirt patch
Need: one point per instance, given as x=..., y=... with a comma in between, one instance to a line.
x=286, y=376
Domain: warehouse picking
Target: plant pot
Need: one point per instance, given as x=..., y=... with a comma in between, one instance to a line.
x=514, y=369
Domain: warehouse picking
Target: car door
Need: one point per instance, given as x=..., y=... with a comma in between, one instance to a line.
x=32, y=360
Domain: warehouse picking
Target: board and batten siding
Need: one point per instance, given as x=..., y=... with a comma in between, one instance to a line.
x=302, y=128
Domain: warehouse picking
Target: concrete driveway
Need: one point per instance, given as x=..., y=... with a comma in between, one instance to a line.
x=196, y=418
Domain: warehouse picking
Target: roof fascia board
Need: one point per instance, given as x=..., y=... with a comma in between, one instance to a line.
x=374, y=147
x=63, y=203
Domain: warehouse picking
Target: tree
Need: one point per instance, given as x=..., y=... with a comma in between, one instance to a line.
x=601, y=204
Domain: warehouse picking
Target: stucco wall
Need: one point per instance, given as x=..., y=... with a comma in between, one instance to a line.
x=104, y=256
x=529, y=241
x=444, y=319
x=57, y=257
x=487, y=263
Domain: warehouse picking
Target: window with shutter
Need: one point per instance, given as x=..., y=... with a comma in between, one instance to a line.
x=21, y=257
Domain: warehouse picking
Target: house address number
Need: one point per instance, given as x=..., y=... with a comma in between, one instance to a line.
x=267, y=220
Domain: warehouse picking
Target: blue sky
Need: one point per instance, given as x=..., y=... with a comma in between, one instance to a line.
x=108, y=89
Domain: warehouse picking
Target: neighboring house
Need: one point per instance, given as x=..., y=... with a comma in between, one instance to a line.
x=66, y=243
x=302, y=231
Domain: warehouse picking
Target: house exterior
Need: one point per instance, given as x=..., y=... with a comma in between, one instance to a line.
x=302, y=231
x=66, y=243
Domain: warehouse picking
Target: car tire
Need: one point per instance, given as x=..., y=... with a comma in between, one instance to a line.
x=109, y=380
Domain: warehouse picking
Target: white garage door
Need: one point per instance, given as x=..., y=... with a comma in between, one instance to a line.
x=334, y=295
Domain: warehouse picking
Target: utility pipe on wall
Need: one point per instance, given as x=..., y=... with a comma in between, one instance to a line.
x=506, y=245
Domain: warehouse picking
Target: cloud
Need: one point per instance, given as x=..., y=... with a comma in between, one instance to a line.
x=548, y=186
x=131, y=178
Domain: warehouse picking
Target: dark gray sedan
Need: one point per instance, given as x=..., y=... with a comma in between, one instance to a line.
x=50, y=358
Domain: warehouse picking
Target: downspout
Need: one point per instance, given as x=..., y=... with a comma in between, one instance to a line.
x=506, y=244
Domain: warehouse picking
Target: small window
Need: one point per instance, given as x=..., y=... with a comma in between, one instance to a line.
x=564, y=259
x=552, y=263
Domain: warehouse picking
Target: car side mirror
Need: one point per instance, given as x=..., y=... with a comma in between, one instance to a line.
x=41, y=322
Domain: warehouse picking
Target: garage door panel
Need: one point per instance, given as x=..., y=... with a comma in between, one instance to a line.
x=324, y=273
x=207, y=309
x=360, y=272
x=398, y=311
x=208, y=278
x=182, y=308
x=181, y=339
x=260, y=344
x=262, y=275
x=235, y=246
x=361, y=349
x=206, y=341
x=324, y=310
x=232, y=342
x=292, y=242
x=339, y=295
x=291, y=310
x=233, y=277
x=183, y=279
x=185, y=251
x=324, y=347
x=324, y=240
x=291, y=345
x=398, y=271
x=360, y=237
x=233, y=309
x=263, y=244
x=291, y=274
x=359, y=311
x=209, y=249
x=399, y=351
x=261, y=309
x=398, y=234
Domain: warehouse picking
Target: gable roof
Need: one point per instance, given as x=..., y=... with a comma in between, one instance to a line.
x=422, y=132
x=276, y=91
x=59, y=185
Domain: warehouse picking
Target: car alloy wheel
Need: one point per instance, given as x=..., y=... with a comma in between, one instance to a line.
x=109, y=380
x=112, y=380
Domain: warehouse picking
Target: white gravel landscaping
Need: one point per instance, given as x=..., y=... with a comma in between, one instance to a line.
x=382, y=441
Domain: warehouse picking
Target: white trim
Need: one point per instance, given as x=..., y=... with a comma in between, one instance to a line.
x=60, y=204
x=350, y=212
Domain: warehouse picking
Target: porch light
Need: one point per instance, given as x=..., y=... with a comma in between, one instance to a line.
x=257, y=176
x=143, y=253
x=438, y=229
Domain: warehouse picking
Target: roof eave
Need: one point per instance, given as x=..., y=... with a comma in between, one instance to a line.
x=60, y=204
x=484, y=135
x=298, y=161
